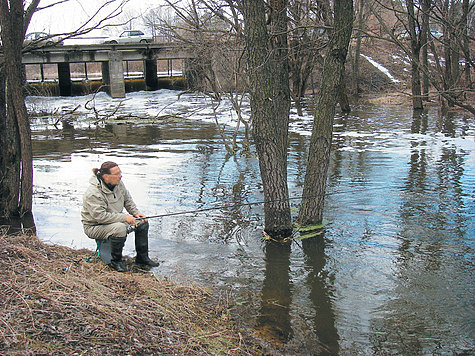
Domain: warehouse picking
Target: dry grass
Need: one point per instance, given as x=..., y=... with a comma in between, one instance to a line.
x=53, y=302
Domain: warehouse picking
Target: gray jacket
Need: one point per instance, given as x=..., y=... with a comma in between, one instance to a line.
x=103, y=206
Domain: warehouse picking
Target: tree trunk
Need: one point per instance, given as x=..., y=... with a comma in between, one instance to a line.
x=415, y=60
x=268, y=128
x=280, y=61
x=311, y=209
x=9, y=155
x=451, y=72
x=425, y=38
x=17, y=138
x=359, y=35
x=466, y=41
x=342, y=94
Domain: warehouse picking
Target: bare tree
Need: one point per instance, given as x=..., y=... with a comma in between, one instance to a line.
x=308, y=23
x=311, y=208
x=16, y=161
x=359, y=36
x=213, y=32
x=466, y=8
x=415, y=57
x=16, y=191
x=269, y=130
x=417, y=21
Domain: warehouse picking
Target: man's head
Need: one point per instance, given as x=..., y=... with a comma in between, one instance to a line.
x=109, y=172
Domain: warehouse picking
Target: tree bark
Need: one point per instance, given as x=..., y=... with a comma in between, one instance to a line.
x=305, y=44
x=425, y=38
x=359, y=35
x=415, y=59
x=268, y=128
x=280, y=67
x=18, y=194
x=9, y=155
x=311, y=208
x=342, y=94
x=466, y=41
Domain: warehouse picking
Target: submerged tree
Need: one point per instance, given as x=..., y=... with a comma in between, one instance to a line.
x=311, y=208
x=270, y=103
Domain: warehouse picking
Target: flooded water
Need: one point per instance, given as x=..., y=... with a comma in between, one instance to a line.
x=393, y=273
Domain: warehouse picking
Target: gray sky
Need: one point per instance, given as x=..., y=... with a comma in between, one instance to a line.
x=66, y=17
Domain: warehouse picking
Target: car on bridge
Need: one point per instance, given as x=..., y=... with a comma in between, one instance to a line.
x=42, y=39
x=129, y=36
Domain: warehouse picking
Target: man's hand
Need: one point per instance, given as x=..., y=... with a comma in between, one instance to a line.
x=140, y=216
x=129, y=219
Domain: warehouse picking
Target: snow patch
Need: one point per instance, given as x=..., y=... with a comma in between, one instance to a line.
x=381, y=68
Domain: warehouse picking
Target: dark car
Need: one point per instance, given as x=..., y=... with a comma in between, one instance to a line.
x=42, y=39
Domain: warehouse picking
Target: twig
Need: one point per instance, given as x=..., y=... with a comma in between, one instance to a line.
x=67, y=113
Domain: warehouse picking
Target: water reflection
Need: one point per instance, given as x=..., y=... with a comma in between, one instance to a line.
x=394, y=272
x=276, y=294
x=430, y=258
x=274, y=319
x=319, y=282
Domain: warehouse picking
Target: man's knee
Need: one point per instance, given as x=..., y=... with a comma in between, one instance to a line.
x=118, y=230
x=103, y=232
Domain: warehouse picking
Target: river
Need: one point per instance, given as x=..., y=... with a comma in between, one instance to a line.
x=393, y=272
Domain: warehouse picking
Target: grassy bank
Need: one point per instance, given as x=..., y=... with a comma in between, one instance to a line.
x=54, y=302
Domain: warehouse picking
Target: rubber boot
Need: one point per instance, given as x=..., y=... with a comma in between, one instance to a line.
x=141, y=246
x=117, y=244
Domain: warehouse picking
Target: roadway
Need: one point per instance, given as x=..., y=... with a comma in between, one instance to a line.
x=101, y=53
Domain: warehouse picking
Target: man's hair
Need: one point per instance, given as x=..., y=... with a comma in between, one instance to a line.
x=105, y=168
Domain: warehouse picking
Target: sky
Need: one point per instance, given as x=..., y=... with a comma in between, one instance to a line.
x=68, y=16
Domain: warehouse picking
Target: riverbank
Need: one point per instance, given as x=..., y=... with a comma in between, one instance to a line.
x=54, y=302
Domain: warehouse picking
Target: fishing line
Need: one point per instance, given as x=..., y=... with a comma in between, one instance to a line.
x=233, y=206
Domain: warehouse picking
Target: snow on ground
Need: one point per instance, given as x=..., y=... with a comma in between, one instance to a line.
x=381, y=68
x=153, y=106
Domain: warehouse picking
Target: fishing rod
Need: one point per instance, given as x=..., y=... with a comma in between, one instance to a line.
x=228, y=206
x=233, y=206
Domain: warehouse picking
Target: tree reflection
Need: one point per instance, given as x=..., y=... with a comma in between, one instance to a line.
x=274, y=318
x=431, y=256
x=320, y=294
x=420, y=121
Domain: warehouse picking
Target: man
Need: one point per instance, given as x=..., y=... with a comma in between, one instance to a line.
x=103, y=218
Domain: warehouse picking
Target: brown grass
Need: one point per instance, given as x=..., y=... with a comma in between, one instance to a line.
x=54, y=302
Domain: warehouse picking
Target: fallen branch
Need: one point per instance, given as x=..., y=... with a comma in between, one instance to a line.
x=64, y=115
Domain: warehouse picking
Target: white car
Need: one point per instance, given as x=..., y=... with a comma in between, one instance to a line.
x=129, y=36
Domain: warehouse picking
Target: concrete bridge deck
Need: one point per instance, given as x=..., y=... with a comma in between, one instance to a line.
x=100, y=53
x=111, y=57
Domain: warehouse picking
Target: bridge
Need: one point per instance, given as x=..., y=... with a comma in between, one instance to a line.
x=111, y=57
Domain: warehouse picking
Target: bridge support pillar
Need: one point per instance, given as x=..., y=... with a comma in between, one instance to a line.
x=64, y=78
x=113, y=75
x=150, y=74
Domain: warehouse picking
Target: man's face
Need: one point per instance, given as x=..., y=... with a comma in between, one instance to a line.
x=114, y=177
